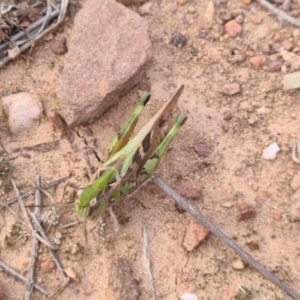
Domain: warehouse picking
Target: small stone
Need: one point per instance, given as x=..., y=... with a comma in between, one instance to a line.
x=239, y=19
x=238, y=264
x=271, y=151
x=291, y=81
x=145, y=9
x=287, y=45
x=195, y=234
x=58, y=235
x=190, y=190
x=233, y=28
x=2, y=291
x=253, y=120
x=275, y=66
x=182, y=2
x=256, y=61
x=209, y=13
x=295, y=182
x=255, y=19
x=203, y=149
x=14, y=52
x=277, y=37
x=225, y=15
x=266, y=48
x=245, y=212
x=253, y=245
x=47, y=266
x=294, y=212
x=179, y=40
x=263, y=111
x=231, y=89
x=291, y=59
x=59, y=46
x=23, y=110
x=188, y=296
x=71, y=273
x=227, y=115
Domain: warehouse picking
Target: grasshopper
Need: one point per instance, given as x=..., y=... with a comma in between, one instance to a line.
x=130, y=162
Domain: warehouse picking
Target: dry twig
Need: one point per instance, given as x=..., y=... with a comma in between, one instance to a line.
x=29, y=225
x=146, y=259
x=280, y=14
x=35, y=242
x=21, y=278
x=186, y=205
x=29, y=193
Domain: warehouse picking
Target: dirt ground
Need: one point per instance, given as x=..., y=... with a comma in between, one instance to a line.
x=233, y=174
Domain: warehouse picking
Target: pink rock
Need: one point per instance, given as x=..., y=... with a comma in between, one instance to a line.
x=245, y=212
x=230, y=89
x=108, y=50
x=256, y=61
x=195, y=234
x=190, y=190
x=23, y=110
x=233, y=28
x=288, y=45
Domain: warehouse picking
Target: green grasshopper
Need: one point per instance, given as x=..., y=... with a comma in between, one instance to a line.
x=130, y=162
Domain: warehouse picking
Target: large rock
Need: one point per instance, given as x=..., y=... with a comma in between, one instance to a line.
x=107, y=54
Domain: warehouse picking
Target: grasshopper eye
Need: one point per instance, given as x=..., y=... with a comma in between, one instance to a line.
x=93, y=202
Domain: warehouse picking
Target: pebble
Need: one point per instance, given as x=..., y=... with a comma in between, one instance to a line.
x=291, y=59
x=253, y=245
x=295, y=182
x=277, y=37
x=291, y=81
x=245, y=212
x=71, y=273
x=288, y=45
x=195, y=234
x=227, y=115
x=14, y=52
x=209, y=13
x=238, y=264
x=188, y=296
x=47, y=266
x=274, y=66
x=182, y=2
x=190, y=190
x=233, y=28
x=203, y=149
x=23, y=110
x=263, y=110
x=231, y=89
x=294, y=212
x=145, y=9
x=59, y=46
x=256, y=61
x=179, y=40
x=271, y=151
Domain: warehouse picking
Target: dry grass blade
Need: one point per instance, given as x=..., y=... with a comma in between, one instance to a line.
x=29, y=193
x=146, y=260
x=29, y=225
x=21, y=278
x=35, y=242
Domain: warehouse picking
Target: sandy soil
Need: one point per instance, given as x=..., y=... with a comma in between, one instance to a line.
x=233, y=174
